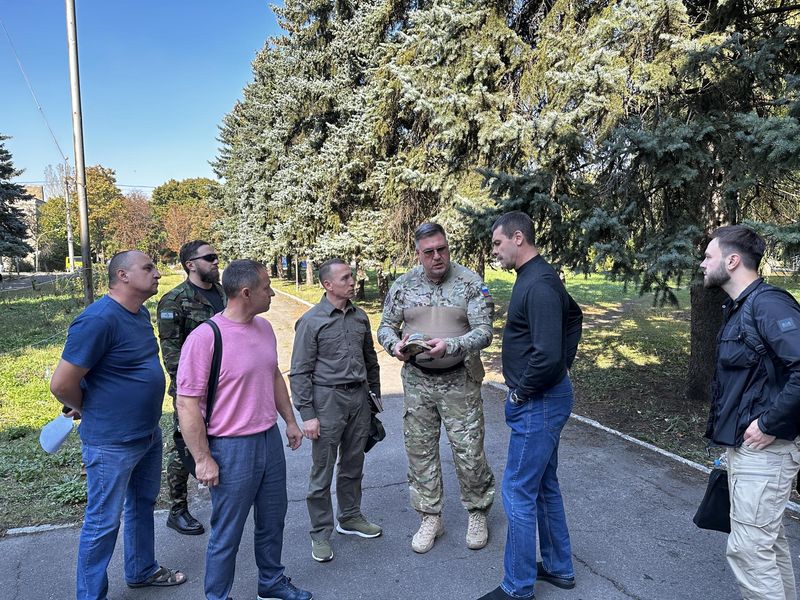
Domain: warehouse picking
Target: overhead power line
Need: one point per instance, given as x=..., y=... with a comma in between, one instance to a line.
x=122, y=185
x=30, y=88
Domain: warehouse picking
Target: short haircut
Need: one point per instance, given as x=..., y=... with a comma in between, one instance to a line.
x=326, y=268
x=743, y=241
x=427, y=230
x=240, y=274
x=121, y=260
x=188, y=250
x=516, y=221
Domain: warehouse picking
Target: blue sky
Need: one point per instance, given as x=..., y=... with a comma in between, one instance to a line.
x=157, y=77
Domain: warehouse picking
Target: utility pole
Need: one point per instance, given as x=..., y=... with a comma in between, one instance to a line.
x=77, y=138
x=69, y=218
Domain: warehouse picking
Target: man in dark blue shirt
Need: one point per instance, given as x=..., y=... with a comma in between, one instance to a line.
x=540, y=340
x=110, y=375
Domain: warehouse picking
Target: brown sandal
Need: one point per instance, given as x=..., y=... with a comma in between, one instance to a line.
x=162, y=578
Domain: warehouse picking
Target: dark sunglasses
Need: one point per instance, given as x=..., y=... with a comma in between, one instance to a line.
x=206, y=257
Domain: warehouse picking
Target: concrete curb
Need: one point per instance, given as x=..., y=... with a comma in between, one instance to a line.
x=293, y=297
x=792, y=506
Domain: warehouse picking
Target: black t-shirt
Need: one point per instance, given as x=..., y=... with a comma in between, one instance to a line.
x=212, y=295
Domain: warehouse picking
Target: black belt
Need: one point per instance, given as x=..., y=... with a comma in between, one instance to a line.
x=344, y=386
x=429, y=371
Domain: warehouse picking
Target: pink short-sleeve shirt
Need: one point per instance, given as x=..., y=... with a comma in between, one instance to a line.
x=245, y=400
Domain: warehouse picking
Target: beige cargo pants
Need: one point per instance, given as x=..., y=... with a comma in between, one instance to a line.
x=760, y=484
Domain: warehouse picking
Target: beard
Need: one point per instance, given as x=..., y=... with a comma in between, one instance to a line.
x=715, y=279
x=210, y=276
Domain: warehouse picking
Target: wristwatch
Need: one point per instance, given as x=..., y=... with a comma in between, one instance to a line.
x=515, y=399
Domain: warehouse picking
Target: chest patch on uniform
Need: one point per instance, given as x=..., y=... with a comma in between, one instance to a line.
x=787, y=325
x=167, y=314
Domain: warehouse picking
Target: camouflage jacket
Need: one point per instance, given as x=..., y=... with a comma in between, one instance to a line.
x=180, y=311
x=460, y=288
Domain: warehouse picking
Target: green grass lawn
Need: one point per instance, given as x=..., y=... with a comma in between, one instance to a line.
x=36, y=487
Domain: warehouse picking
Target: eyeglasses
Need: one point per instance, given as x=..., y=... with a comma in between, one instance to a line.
x=429, y=253
x=206, y=257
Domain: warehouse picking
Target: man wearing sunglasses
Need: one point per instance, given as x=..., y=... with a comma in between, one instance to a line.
x=446, y=306
x=180, y=311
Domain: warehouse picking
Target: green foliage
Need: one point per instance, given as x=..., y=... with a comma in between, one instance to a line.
x=71, y=490
x=653, y=126
x=364, y=120
x=53, y=227
x=105, y=200
x=13, y=229
x=36, y=487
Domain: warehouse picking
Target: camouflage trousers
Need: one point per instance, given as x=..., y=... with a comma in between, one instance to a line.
x=453, y=399
x=177, y=475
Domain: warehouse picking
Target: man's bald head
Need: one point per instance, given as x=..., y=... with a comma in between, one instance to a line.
x=120, y=261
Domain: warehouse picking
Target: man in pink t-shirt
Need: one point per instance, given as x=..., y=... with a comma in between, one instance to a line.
x=240, y=457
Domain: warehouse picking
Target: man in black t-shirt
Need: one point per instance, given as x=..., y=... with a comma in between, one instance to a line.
x=180, y=311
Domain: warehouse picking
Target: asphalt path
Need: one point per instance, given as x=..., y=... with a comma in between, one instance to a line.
x=629, y=511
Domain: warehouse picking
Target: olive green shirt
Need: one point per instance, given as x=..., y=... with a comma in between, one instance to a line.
x=331, y=347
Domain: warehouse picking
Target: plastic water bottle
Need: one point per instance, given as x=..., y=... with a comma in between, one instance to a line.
x=722, y=461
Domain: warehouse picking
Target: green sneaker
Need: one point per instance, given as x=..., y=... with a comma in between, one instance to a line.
x=359, y=526
x=321, y=550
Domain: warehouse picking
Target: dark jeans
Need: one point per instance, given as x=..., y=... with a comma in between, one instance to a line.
x=531, y=494
x=126, y=474
x=252, y=474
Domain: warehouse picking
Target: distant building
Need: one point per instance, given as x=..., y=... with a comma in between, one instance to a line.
x=30, y=210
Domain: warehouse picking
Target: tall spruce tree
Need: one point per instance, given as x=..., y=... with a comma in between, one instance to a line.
x=653, y=128
x=441, y=102
x=13, y=230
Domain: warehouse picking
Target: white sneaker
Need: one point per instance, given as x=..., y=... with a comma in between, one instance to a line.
x=430, y=528
x=477, y=530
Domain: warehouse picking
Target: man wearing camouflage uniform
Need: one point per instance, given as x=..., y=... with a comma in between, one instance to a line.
x=180, y=311
x=447, y=304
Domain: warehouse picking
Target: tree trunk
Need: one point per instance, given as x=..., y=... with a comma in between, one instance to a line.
x=309, y=271
x=706, y=321
x=296, y=272
x=480, y=266
x=383, y=284
x=279, y=267
x=361, y=278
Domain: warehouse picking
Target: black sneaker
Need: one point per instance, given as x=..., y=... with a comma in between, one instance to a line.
x=565, y=583
x=285, y=590
x=497, y=593
x=183, y=522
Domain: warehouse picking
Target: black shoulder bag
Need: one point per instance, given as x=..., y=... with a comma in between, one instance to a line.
x=213, y=379
x=715, y=508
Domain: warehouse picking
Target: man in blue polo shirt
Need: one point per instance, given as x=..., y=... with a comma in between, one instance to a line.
x=110, y=375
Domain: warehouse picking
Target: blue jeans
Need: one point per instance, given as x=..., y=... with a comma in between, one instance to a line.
x=252, y=473
x=126, y=474
x=531, y=494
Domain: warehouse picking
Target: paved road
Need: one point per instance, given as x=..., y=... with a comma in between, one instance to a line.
x=629, y=510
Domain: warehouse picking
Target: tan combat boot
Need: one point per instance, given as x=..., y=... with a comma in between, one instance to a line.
x=430, y=528
x=477, y=530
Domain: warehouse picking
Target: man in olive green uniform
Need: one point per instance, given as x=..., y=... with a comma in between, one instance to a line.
x=180, y=311
x=447, y=305
x=334, y=367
